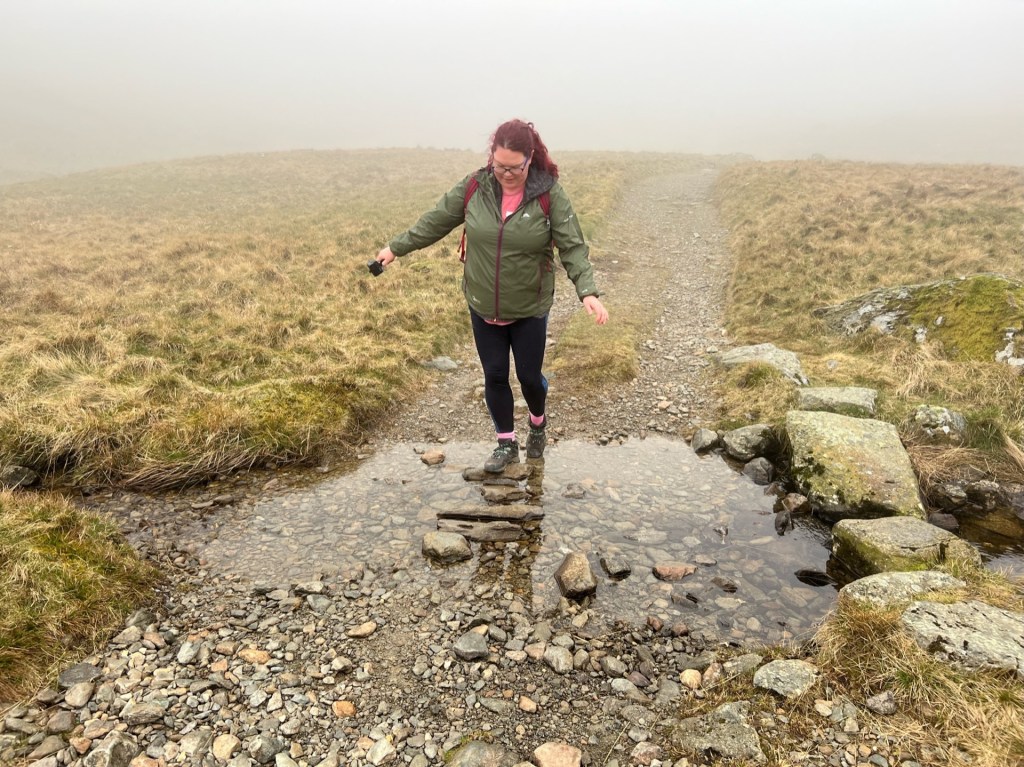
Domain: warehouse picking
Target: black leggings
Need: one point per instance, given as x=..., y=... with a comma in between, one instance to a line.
x=526, y=339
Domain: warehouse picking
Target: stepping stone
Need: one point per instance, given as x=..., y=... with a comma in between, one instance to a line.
x=519, y=513
x=483, y=531
x=502, y=494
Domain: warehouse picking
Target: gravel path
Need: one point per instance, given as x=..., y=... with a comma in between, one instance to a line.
x=385, y=659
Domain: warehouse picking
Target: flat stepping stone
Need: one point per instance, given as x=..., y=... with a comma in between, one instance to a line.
x=519, y=513
x=514, y=471
x=869, y=546
x=884, y=589
x=502, y=494
x=483, y=531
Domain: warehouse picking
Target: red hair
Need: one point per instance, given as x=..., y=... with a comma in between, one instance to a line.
x=522, y=137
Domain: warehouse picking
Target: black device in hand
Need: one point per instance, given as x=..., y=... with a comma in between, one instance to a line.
x=376, y=268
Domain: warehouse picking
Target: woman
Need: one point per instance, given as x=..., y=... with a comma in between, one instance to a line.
x=515, y=213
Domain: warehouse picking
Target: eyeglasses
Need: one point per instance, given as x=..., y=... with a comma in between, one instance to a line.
x=514, y=170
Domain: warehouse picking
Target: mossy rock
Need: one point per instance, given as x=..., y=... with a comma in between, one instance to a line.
x=896, y=544
x=851, y=467
x=973, y=318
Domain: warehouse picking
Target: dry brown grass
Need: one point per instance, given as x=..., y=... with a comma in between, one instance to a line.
x=942, y=709
x=810, y=234
x=66, y=577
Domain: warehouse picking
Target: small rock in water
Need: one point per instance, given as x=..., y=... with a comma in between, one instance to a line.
x=783, y=522
x=432, y=457
x=673, y=571
x=616, y=567
x=574, y=490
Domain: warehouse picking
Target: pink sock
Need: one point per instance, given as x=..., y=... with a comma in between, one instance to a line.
x=507, y=435
x=536, y=420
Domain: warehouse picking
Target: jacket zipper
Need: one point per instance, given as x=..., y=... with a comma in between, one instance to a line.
x=497, y=259
x=497, y=269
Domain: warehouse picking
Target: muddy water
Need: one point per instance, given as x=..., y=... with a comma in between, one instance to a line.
x=645, y=502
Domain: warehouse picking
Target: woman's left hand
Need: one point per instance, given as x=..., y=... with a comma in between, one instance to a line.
x=595, y=309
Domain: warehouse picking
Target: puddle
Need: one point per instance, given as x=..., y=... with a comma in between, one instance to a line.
x=647, y=501
x=999, y=537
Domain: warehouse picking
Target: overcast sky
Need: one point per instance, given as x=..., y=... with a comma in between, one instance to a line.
x=90, y=83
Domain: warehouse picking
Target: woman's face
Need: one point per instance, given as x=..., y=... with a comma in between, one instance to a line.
x=510, y=168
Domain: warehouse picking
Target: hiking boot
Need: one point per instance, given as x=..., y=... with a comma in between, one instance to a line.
x=505, y=453
x=537, y=440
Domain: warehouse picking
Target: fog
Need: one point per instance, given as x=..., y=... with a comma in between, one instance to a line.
x=102, y=82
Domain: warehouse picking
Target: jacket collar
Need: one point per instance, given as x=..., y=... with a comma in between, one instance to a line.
x=537, y=182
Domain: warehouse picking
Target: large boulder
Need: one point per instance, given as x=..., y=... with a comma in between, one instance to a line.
x=973, y=633
x=868, y=546
x=973, y=318
x=852, y=467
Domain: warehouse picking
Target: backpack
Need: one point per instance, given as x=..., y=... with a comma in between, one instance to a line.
x=544, y=200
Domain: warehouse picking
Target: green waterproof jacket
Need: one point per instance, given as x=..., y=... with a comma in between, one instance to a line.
x=509, y=269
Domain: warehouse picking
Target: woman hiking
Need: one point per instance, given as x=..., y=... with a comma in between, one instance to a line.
x=515, y=214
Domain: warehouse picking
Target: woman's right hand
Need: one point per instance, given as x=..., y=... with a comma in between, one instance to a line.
x=385, y=256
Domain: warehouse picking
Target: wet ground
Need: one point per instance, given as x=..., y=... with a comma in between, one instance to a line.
x=645, y=501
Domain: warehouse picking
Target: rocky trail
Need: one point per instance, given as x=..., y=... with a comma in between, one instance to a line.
x=300, y=624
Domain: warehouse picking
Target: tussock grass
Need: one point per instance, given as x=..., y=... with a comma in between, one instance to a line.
x=941, y=707
x=810, y=234
x=66, y=577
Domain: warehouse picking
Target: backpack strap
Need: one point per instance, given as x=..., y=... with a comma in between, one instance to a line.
x=471, y=188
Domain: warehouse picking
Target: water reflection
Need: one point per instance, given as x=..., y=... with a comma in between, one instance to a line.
x=645, y=502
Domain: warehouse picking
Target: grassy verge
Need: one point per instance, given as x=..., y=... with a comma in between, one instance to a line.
x=65, y=579
x=811, y=234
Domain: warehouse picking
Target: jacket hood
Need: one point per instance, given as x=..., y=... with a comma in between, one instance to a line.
x=537, y=182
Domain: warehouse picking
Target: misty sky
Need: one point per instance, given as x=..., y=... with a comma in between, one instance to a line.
x=90, y=83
